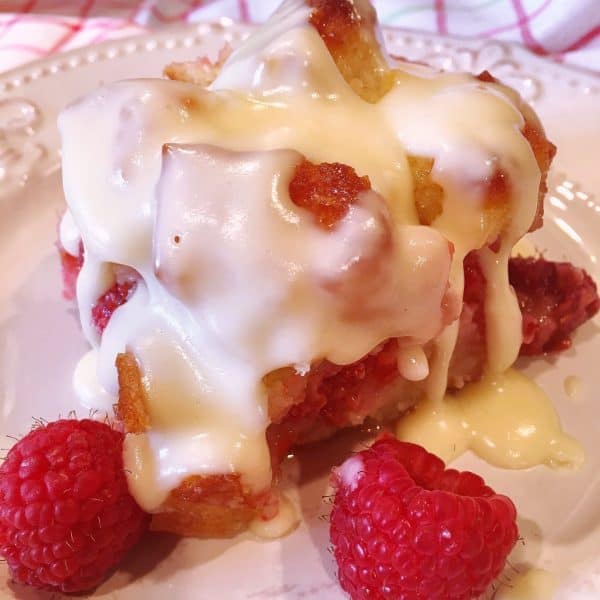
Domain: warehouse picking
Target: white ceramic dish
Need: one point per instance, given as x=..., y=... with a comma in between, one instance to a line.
x=40, y=340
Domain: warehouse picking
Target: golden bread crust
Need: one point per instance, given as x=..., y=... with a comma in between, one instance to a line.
x=200, y=72
x=210, y=506
x=131, y=408
x=202, y=505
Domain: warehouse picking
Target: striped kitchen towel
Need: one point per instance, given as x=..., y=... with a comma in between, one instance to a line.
x=566, y=30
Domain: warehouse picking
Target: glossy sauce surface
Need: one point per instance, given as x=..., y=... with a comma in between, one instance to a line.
x=283, y=523
x=535, y=584
x=505, y=419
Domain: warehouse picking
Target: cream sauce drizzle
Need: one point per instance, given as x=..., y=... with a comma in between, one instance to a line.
x=573, y=385
x=87, y=387
x=68, y=234
x=535, y=584
x=525, y=248
x=279, y=93
x=412, y=363
x=284, y=522
x=505, y=419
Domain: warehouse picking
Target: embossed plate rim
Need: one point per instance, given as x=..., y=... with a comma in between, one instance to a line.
x=193, y=35
x=445, y=52
x=36, y=220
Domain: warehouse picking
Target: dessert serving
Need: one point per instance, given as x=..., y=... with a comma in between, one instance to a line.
x=300, y=237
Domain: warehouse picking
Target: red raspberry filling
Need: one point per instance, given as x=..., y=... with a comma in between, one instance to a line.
x=555, y=298
x=106, y=305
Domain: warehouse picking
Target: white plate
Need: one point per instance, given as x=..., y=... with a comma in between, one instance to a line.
x=40, y=340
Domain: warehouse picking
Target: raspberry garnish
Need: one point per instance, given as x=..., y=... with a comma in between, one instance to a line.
x=106, y=305
x=405, y=528
x=66, y=515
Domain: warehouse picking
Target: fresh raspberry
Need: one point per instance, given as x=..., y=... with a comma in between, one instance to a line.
x=106, y=305
x=66, y=515
x=70, y=267
x=405, y=528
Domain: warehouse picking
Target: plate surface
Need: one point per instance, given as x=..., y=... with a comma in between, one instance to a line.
x=40, y=341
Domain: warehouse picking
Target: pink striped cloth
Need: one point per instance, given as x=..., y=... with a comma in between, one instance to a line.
x=566, y=30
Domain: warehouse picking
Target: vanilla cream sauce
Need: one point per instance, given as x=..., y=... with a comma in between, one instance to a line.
x=284, y=522
x=573, y=386
x=87, y=386
x=505, y=419
x=525, y=248
x=534, y=584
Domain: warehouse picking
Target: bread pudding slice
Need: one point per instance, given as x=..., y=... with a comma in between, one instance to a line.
x=277, y=245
